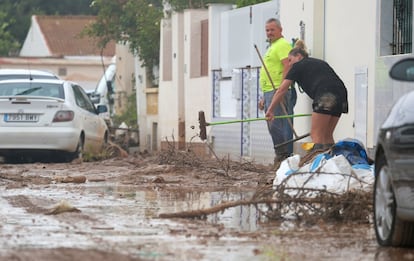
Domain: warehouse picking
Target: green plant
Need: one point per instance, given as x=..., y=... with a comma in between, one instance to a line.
x=129, y=116
x=136, y=22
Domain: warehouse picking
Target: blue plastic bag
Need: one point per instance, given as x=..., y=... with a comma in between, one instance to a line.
x=353, y=151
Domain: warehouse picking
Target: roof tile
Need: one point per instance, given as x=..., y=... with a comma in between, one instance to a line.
x=62, y=34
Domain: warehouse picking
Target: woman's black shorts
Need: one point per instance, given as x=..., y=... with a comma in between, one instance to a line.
x=330, y=103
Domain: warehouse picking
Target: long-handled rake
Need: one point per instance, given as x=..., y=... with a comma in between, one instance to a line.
x=203, y=124
x=282, y=104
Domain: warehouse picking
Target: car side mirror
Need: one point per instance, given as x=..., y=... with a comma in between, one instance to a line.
x=403, y=70
x=102, y=109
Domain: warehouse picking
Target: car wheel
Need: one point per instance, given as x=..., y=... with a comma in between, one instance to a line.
x=78, y=154
x=389, y=229
x=105, y=140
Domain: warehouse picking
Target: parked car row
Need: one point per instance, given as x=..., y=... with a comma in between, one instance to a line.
x=48, y=119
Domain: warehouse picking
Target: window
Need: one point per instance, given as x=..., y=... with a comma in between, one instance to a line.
x=82, y=99
x=402, y=25
x=204, y=48
x=62, y=71
x=32, y=89
x=396, y=27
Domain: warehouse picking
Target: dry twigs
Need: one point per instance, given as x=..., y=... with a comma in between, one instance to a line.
x=188, y=158
x=200, y=213
x=302, y=202
x=180, y=158
x=348, y=205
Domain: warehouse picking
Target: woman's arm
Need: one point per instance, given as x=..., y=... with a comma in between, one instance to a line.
x=277, y=98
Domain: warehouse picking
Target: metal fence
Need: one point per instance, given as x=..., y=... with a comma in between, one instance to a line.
x=402, y=26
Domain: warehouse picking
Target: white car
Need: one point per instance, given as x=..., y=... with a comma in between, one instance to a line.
x=8, y=74
x=48, y=115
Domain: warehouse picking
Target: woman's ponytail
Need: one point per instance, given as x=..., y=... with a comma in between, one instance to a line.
x=300, y=48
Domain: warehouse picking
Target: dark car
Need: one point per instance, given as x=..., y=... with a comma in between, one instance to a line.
x=394, y=167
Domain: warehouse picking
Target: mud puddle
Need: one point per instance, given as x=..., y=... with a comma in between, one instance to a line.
x=150, y=204
x=114, y=215
x=123, y=219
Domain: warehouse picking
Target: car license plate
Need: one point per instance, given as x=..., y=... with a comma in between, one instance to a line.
x=21, y=117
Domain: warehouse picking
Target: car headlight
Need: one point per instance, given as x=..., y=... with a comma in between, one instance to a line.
x=401, y=137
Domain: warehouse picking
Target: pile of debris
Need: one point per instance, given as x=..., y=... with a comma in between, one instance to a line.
x=330, y=185
x=334, y=184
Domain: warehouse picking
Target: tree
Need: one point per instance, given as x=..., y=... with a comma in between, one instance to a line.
x=136, y=22
x=241, y=3
x=180, y=5
x=8, y=44
x=129, y=116
x=17, y=15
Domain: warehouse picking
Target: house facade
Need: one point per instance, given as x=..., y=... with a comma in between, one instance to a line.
x=184, y=86
x=55, y=43
x=354, y=37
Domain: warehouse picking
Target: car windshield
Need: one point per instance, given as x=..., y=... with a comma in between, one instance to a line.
x=32, y=89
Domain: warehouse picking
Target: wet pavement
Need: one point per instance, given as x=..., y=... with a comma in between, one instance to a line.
x=114, y=215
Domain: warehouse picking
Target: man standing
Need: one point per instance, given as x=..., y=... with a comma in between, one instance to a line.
x=272, y=73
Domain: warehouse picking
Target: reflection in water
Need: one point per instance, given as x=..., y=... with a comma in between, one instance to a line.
x=150, y=203
x=391, y=253
x=241, y=217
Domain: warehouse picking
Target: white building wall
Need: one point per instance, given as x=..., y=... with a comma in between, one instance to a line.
x=215, y=21
x=141, y=99
x=241, y=29
x=347, y=42
x=197, y=94
x=235, y=82
x=87, y=73
x=34, y=45
x=387, y=90
x=293, y=14
x=350, y=45
x=171, y=96
x=215, y=52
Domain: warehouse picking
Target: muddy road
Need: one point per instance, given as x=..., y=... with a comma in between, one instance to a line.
x=110, y=210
